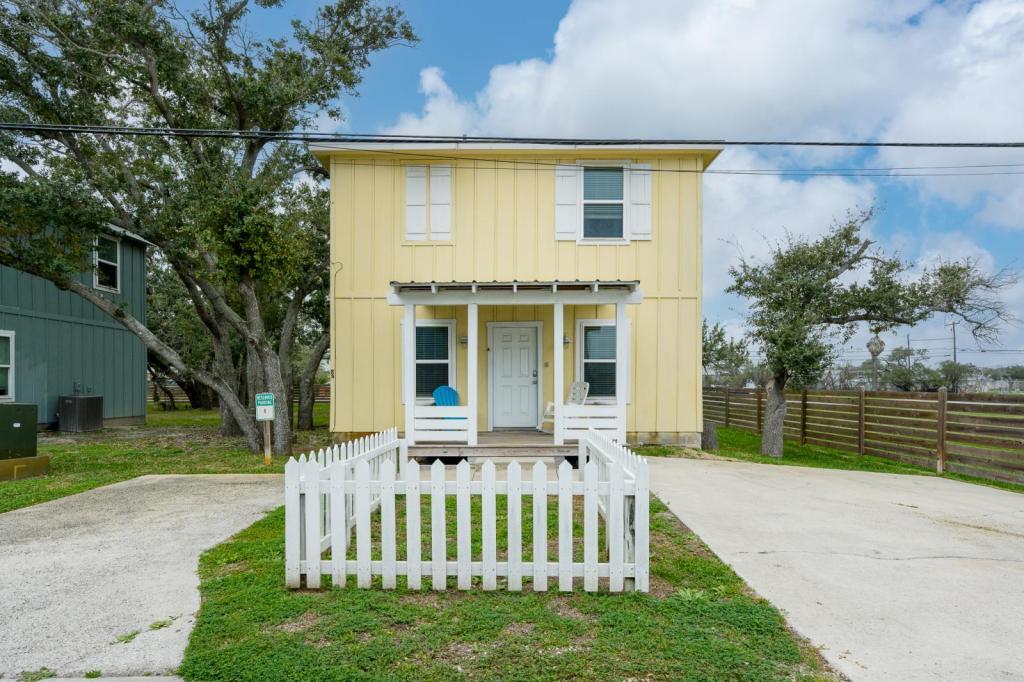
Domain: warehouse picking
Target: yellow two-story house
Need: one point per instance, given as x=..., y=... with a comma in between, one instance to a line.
x=554, y=287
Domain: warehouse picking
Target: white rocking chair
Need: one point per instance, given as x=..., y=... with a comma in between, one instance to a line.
x=578, y=391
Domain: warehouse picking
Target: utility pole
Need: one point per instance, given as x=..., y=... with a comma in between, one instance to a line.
x=956, y=367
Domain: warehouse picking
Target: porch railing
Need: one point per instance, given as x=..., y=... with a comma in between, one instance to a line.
x=607, y=420
x=434, y=424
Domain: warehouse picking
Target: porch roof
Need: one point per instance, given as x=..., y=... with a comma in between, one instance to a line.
x=513, y=292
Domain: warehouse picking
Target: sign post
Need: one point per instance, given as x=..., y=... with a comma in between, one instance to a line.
x=265, y=414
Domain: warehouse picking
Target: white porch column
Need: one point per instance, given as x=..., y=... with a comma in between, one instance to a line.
x=622, y=361
x=558, y=394
x=471, y=370
x=409, y=371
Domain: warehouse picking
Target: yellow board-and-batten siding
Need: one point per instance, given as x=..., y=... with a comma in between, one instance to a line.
x=503, y=228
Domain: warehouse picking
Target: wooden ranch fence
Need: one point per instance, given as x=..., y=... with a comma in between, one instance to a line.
x=978, y=434
x=361, y=493
x=322, y=395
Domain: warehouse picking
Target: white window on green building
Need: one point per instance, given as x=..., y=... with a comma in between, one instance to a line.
x=108, y=263
x=6, y=366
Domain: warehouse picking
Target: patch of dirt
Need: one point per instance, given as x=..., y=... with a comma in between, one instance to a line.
x=459, y=652
x=579, y=644
x=565, y=609
x=421, y=599
x=304, y=622
x=318, y=642
x=518, y=629
x=692, y=541
x=659, y=588
x=233, y=567
x=691, y=453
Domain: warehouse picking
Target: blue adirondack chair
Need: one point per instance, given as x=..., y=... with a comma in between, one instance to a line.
x=446, y=396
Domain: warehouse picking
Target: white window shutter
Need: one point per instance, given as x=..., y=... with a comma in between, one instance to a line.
x=640, y=201
x=567, y=202
x=415, y=203
x=440, y=202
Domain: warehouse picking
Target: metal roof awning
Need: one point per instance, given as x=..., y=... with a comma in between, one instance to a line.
x=516, y=292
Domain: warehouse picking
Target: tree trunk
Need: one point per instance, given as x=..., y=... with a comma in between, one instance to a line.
x=172, y=359
x=170, y=397
x=199, y=397
x=709, y=438
x=307, y=383
x=282, y=425
x=774, y=418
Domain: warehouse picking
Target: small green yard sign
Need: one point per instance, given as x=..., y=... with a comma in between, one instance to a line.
x=264, y=407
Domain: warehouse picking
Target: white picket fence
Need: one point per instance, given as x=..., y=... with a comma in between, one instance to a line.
x=332, y=497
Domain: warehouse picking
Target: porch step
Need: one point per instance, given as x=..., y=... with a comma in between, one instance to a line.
x=524, y=454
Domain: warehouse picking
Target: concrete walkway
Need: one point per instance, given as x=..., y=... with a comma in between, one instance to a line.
x=896, y=577
x=77, y=572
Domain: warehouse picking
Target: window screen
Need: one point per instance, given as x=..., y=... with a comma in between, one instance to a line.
x=602, y=203
x=599, y=359
x=108, y=262
x=433, y=364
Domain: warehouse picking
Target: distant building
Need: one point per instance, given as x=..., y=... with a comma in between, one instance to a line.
x=55, y=343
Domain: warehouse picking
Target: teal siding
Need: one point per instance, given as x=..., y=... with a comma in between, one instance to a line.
x=64, y=344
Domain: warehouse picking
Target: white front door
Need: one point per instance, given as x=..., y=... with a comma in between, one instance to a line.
x=514, y=377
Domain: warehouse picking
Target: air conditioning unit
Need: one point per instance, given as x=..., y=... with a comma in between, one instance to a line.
x=80, y=413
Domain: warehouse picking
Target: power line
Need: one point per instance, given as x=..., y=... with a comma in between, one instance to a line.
x=398, y=138
x=363, y=138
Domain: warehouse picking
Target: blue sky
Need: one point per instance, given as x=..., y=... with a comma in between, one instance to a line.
x=846, y=69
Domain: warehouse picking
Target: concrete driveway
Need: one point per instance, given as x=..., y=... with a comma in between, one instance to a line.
x=896, y=577
x=80, y=571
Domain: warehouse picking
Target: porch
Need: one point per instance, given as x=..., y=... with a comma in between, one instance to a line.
x=475, y=422
x=524, y=445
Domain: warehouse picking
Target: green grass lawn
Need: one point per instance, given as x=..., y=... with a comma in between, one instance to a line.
x=743, y=445
x=700, y=622
x=184, y=441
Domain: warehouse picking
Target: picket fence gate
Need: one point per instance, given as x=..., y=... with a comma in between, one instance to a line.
x=332, y=498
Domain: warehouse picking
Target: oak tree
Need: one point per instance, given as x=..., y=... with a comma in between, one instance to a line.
x=239, y=220
x=810, y=295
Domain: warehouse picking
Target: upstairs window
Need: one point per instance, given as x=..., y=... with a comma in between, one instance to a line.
x=603, y=209
x=428, y=202
x=603, y=201
x=435, y=356
x=108, y=264
x=6, y=366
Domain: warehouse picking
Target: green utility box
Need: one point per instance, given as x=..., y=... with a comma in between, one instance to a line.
x=19, y=457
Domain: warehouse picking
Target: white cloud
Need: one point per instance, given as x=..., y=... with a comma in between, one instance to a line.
x=442, y=111
x=750, y=214
x=973, y=93
x=778, y=69
x=704, y=68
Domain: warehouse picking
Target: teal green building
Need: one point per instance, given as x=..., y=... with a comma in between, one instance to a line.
x=55, y=343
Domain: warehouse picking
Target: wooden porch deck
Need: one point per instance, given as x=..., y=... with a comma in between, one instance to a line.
x=520, y=444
